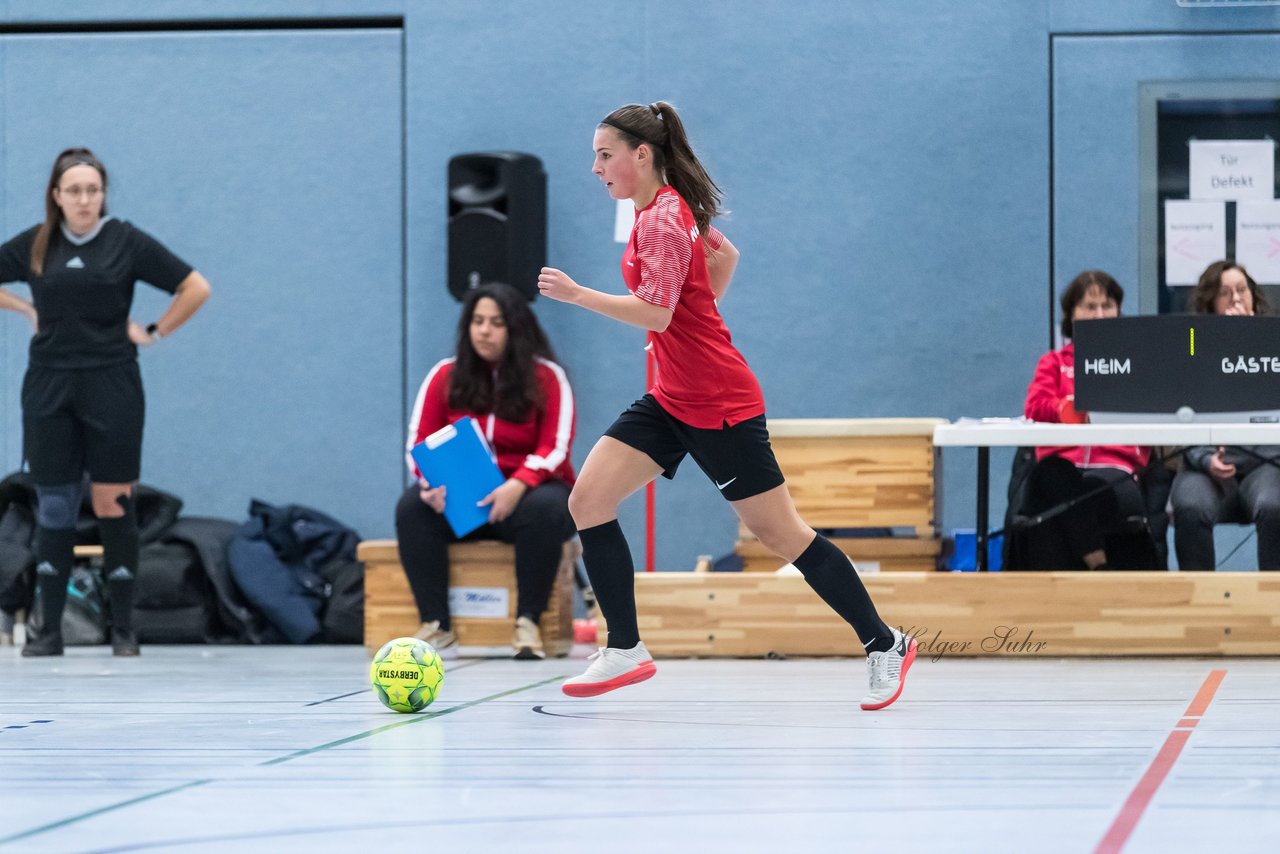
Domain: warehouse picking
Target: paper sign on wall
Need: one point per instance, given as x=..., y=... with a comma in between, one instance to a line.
x=1195, y=235
x=1258, y=240
x=1233, y=169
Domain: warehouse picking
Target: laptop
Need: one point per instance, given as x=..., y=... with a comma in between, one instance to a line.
x=1178, y=368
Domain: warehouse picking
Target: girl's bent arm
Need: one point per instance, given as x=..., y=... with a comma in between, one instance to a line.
x=190, y=295
x=627, y=308
x=721, y=263
x=13, y=302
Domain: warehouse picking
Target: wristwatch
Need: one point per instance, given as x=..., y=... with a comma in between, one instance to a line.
x=153, y=329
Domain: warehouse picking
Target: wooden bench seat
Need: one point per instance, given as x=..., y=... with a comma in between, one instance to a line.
x=888, y=554
x=486, y=570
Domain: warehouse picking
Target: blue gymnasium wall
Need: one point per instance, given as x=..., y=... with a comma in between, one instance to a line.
x=887, y=166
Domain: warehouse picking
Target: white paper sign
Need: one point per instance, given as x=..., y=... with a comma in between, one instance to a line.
x=623, y=219
x=1195, y=235
x=485, y=602
x=1234, y=169
x=1258, y=240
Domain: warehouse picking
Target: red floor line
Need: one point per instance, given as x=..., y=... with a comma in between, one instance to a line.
x=1136, y=804
x=1205, y=694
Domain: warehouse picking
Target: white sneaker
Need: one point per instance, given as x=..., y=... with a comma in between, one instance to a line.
x=444, y=641
x=888, y=672
x=611, y=668
x=527, y=641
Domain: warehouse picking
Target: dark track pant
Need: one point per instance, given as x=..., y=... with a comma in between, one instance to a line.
x=538, y=528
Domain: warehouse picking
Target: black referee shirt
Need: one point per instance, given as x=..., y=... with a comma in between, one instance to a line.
x=83, y=298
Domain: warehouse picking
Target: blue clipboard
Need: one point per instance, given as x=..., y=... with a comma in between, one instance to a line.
x=458, y=458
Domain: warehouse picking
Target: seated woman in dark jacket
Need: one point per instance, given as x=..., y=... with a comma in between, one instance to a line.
x=1227, y=483
x=505, y=376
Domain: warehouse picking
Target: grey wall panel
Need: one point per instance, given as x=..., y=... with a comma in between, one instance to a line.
x=886, y=165
x=270, y=161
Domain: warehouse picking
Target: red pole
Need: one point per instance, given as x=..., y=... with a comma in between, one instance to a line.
x=649, y=491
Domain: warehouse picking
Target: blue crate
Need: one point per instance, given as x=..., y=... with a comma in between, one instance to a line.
x=965, y=556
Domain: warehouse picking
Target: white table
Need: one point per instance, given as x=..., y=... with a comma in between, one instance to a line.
x=985, y=435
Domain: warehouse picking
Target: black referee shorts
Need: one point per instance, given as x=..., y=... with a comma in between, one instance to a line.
x=77, y=421
x=738, y=459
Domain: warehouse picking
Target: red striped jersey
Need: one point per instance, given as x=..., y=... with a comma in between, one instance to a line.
x=702, y=378
x=534, y=450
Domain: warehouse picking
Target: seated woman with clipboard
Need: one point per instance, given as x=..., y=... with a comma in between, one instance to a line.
x=503, y=375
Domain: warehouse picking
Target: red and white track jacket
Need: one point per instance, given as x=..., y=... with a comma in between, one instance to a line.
x=1053, y=383
x=534, y=450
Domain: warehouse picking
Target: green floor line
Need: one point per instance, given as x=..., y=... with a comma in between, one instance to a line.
x=4, y=840
x=417, y=718
x=44, y=828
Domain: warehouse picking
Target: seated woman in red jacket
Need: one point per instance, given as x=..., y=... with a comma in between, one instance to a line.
x=1074, y=538
x=505, y=376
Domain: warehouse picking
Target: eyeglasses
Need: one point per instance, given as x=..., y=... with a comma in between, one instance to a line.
x=77, y=192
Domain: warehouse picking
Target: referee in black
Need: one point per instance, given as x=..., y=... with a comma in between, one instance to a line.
x=82, y=401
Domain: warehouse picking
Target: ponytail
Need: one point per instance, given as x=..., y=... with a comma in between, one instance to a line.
x=659, y=126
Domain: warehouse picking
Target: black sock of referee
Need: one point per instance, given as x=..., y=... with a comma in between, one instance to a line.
x=607, y=557
x=55, y=551
x=833, y=577
x=120, y=562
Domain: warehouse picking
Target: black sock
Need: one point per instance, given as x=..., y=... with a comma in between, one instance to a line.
x=833, y=577
x=55, y=552
x=120, y=564
x=607, y=557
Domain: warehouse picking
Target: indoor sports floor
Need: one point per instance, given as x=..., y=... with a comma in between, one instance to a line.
x=285, y=749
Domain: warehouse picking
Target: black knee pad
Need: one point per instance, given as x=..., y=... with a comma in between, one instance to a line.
x=58, y=507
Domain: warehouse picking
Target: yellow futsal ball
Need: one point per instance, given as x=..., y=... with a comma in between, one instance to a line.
x=406, y=674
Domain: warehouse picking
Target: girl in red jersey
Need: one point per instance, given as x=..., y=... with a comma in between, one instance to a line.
x=706, y=403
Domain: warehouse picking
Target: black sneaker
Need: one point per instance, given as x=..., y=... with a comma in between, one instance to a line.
x=124, y=643
x=48, y=643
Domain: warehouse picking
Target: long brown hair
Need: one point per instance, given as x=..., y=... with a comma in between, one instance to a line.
x=1206, y=291
x=49, y=229
x=660, y=127
x=471, y=385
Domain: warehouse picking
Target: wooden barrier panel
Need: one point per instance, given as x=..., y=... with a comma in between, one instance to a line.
x=389, y=610
x=893, y=554
x=859, y=472
x=969, y=614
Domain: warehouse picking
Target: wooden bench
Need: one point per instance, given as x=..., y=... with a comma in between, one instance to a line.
x=967, y=614
x=883, y=554
x=486, y=570
x=848, y=473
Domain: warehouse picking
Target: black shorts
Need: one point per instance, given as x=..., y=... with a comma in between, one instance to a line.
x=78, y=421
x=738, y=459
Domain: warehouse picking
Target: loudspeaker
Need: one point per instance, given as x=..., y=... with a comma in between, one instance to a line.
x=497, y=221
